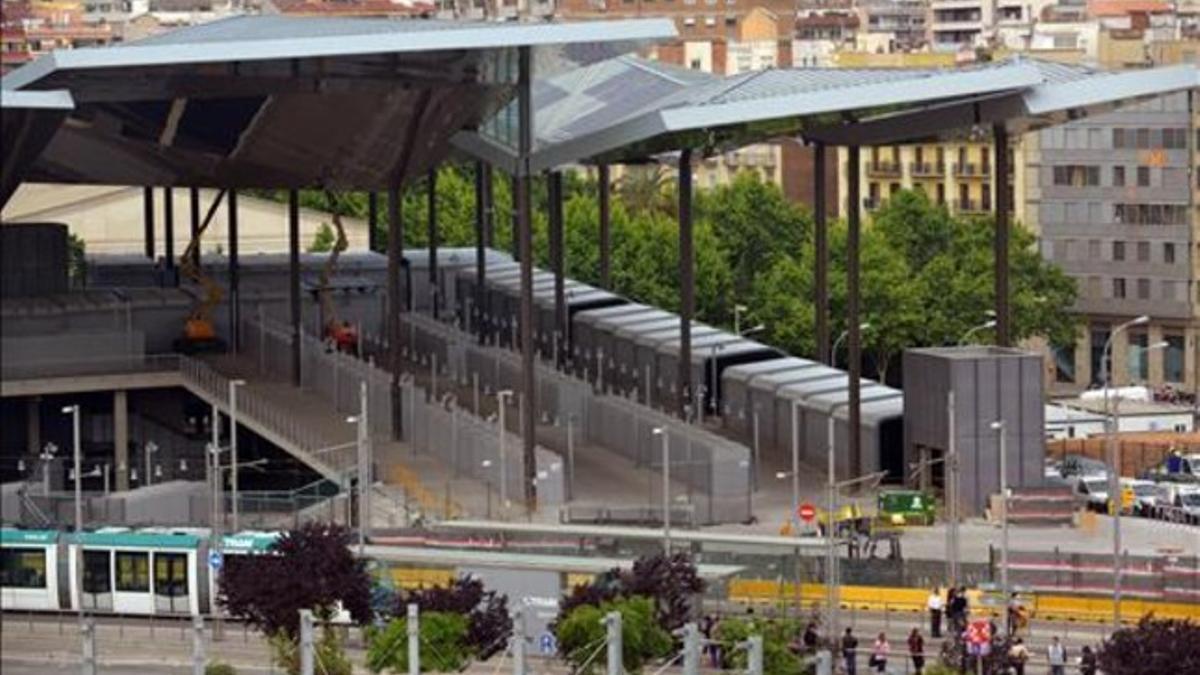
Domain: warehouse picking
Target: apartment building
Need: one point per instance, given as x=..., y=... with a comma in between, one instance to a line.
x=29, y=30
x=890, y=26
x=1113, y=199
x=959, y=25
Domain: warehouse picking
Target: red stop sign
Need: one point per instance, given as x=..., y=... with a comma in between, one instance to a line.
x=807, y=512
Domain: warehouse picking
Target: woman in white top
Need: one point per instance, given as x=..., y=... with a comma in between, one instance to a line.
x=880, y=652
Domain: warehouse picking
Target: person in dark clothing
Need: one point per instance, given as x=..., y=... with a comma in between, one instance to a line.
x=960, y=609
x=810, y=638
x=708, y=628
x=1087, y=662
x=916, y=650
x=849, y=645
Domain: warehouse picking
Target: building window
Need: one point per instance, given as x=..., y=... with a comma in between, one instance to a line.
x=1173, y=358
x=1118, y=249
x=1118, y=138
x=1077, y=175
x=1064, y=364
x=1143, y=251
x=1094, y=249
x=941, y=194
x=133, y=572
x=1143, y=176
x=986, y=197
x=893, y=189
x=1174, y=139
x=23, y=568
x=1142, y=141
x=1136, y=360
x=1118, y=176
x=1118, y=288
x=1099, y=335
x=97, y=575
x=1143, y=289
x=1169, y=253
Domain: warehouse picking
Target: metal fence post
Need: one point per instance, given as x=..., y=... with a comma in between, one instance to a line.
x=88, y=632
x=306, y=642
x=517, y=645
x=691, y=648
x=612, y=622
x=198, y=645
x=414, y=640
x=754, y=655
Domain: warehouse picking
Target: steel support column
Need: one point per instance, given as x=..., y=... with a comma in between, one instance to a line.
x=524, y=183
x=372, y=221
x=605, y=233
x=1003, y=207
x=489, y=211
x=821, y=246
x=169, y=229
x=554, y=184
x=474, y=313
x=194, y=212
x=395, y=250
x=854, y=338
x=294, y=281
x=687, y=283
x=514, y=217
x=235, y=302
x=432, y=235
x=148, y=220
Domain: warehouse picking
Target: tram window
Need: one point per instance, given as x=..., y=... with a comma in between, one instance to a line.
x=97, y=576
x=170, y=574
x=23, y=568
x=133, y=572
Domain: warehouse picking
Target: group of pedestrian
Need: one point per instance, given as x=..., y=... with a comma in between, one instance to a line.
x=881, y=651
x=1056, y=655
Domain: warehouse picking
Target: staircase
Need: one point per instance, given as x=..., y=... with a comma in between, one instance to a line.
x=1045, y=506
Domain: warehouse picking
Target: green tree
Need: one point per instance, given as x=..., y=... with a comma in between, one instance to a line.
x=777, y=635
x=581, y=634
x=443, y=638
x=323, y=240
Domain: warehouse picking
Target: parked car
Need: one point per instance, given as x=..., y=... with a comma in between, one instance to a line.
x=1186, y=507
x=1142, y=497
x=1094, y=490
x=1078, y=465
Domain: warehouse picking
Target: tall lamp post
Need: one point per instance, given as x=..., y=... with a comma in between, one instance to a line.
x=666, y=487
x=737, y=318
x=233, y=448
x=962, y=341
x=501, y=401
x=999, y=428
x=148, y=451
x=862, y=327
x=1114, y=480
x=47, y=456
x=363, y=447
x=77, y=451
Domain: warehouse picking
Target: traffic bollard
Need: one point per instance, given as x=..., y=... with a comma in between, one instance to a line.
x=414, y=640
x=306, y=642
x=612, y=622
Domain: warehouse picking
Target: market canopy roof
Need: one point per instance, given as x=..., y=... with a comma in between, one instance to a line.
x=841, y=106
x=286, y=102
x=30, y=120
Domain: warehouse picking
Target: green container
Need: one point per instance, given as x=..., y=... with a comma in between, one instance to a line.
x=906, y=507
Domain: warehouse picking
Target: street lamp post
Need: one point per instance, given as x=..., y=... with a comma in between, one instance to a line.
x=795, y=459
x=1114, y=478
x=999, y=427
x=47, y=456
x=962, y=341
x=77, y=451
x=862, y=327
x=501, y=400
x=148, y=453
x=233, y=448
x=363, y=447
x=737, y=318
x=666, y=487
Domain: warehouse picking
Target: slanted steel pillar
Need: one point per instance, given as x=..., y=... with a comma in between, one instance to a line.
x=433, y=242
x=235, y=303
x=524, y=222
x=853, y=338
x=821, y=246
x=514, y=216
x=489, y=211
x=474, y=313
x=194, y=211
x=687, y=282
x=294, y=281
x=169, y=229
x=1003, y=207
x=554, y=184
x=395, y=249
x=148, y=220
x=605, y=234
x=372, y=221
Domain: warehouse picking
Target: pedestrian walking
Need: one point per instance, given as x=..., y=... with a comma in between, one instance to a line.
x=810, y=638
x=879, y=653
x=849, y=649
x=1018, y=656
x=935, y=605
x=708, y=628
x=1056, y=655
x=1087, y=662
x=916, y=650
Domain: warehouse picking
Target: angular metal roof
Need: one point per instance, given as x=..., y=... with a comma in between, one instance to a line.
x=30, y=120
x=288, y=102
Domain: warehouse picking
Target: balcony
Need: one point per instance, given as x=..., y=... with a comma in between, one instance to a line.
x=883, y=169
x=972, y=170
x=927, y=170
x=873, y=203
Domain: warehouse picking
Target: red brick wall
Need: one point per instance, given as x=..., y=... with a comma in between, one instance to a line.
x=798, y=175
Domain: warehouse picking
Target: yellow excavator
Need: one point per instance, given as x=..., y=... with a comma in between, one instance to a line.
x=199, y=335
x=341, y=334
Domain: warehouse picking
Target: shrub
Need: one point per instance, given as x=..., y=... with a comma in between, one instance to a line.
x=328, y=653
x=488, y=621
x=443, y=637
x=1153, y=646
x=777, y=635
x=581, y=634
x=671, y=582
x=219, y=668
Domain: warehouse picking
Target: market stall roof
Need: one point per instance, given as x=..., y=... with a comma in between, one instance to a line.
x=839, y=106
x=289, y=102
x=30, y=120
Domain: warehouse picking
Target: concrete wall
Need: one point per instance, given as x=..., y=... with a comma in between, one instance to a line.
x=989, y=384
